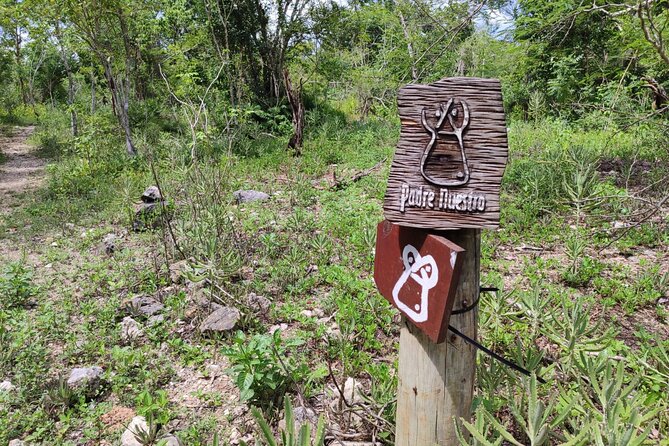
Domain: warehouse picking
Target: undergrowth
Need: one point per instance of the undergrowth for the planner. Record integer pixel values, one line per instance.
(571, 205)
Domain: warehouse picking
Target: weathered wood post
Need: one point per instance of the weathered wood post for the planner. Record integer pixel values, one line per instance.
(443, 188)
(436, 381)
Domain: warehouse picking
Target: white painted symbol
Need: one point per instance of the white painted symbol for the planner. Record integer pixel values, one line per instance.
(422, 269)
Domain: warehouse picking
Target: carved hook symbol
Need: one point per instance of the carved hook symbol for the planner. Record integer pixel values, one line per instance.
(446, 111)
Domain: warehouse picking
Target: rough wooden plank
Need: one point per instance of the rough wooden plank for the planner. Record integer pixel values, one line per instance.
(453, 138)
(436, 381)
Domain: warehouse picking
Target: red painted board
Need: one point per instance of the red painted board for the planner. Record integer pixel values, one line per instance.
(417, 272)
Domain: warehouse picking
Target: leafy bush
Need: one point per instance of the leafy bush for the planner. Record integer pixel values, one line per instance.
(154, 406)
(16, 285)
(262, 367)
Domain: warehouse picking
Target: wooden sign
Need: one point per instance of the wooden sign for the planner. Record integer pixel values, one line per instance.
(417, 273)
(451, 155)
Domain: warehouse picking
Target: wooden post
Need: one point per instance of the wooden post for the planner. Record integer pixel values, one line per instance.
(436, 381)
(446, 176)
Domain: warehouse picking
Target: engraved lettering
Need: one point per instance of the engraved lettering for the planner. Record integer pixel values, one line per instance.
(430, 199)
(425, 197)
(481, 204)
(404, 195)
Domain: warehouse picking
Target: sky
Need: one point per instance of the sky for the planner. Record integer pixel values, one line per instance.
(498, 22)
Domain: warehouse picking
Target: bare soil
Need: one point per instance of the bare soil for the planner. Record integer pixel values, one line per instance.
(22, 170)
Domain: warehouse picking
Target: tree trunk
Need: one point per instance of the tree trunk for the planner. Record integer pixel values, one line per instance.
(70, 83)
(405, 30)
(120, 106)
(93, 102)
(660, 96)
(125, 122)
(297, 107)
(123, 90)
(19, 64)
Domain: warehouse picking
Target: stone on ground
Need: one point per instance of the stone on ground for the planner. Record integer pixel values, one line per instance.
(7, 386)
(139, 424)
(109, 242)
(177, 270)
(247, 196)
(87, 378)
(222, 320)
(151, 195)
(259, 304)
(353, 391)
(130, 330)
(302, 415)
(146, 306)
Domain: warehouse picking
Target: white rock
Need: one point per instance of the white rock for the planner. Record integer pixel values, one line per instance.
(151, 195)
(213, 370)
(16, 442)
(245, 196)
(130, 330)
(7, 386)
(301, 416)
(234, 436)
(139, 424)
(109, 243)
(307, 313)
(353, 391)
(282, 327)
(333, 330)
(155, 319)
(84, 376)
(171, 440)
(147, 306)
(136, 425)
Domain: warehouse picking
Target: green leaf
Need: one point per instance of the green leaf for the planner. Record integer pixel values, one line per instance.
(246, 394)
(264, 427)
(501, 429)
(290, 421)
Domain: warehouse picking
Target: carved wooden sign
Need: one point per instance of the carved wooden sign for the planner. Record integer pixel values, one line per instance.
(417, 273)
(451, 155)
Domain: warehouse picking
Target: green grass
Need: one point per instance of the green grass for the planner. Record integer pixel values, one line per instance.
(564, 311)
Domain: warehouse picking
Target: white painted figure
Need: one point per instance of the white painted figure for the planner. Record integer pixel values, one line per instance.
(422, 269)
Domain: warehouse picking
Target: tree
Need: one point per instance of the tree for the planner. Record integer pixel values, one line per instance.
(577, 52)
(110, 29)
(263, 33)
(65, 57)
(13, 23)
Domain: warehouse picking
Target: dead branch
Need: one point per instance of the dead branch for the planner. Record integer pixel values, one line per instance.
(648, 216)
(297, 108)
(341, 184)
(193, 113)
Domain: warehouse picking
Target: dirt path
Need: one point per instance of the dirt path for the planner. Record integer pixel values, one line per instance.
(22, 170)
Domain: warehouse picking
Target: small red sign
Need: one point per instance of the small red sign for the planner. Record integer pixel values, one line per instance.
(417, 273)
